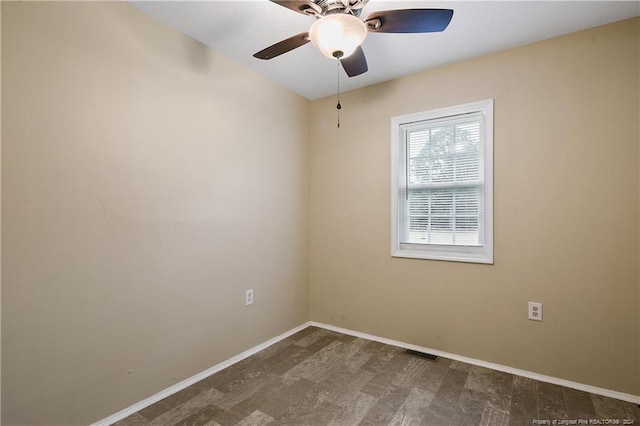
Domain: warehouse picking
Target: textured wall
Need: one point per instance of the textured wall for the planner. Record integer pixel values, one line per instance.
(566, 213)
(147, 181)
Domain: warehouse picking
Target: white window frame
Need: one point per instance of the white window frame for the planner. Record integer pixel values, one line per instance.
(475, 254)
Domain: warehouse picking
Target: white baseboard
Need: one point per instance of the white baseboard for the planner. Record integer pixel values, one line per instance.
(515, 371)
(224, 364)
(195, 378)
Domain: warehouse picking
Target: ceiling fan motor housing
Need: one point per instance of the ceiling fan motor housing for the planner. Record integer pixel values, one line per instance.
(352, 7)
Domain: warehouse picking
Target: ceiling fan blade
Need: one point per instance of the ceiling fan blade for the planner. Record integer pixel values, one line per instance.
(306, 7)
(355, 64)
(283, 46)
(409, 21)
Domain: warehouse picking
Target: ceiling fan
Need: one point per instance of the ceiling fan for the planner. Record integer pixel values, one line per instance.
(338, 30)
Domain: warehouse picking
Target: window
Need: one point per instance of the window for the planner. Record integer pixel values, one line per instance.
(442, 184)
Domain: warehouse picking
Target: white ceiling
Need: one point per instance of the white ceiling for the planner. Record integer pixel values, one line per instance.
(239, 28)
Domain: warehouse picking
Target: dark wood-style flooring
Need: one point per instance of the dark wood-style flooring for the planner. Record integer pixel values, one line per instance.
(320, 377)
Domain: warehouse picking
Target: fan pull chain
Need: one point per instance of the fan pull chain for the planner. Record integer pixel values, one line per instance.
(338, 106)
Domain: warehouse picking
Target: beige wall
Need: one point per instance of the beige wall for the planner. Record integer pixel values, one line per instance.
(566, 213)
(147, 181)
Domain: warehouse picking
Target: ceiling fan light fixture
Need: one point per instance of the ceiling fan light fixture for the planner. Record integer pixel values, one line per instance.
(338, 35)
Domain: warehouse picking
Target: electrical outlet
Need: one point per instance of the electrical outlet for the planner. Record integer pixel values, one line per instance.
(248, 297)
(535, 311)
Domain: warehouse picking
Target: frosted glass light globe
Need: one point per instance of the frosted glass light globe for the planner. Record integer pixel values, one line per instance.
(337, 33)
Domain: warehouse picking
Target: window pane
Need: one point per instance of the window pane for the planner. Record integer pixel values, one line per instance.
(443, 216)
(419, 143)
(444, 153)
(467, 167)
(419, 170)
(441, 140)
(441, 170)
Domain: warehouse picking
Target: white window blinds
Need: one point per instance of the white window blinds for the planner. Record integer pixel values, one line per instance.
(441, 200)
(442, 184)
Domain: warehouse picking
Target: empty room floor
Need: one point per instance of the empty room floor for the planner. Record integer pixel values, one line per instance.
(320, 377)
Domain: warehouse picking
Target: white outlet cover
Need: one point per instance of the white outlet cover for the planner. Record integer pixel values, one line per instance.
(535, 311)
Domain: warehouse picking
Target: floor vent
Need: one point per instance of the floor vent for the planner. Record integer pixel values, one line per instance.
(422, 354)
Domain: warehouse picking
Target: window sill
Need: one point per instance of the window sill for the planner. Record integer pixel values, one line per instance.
(446, 253)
